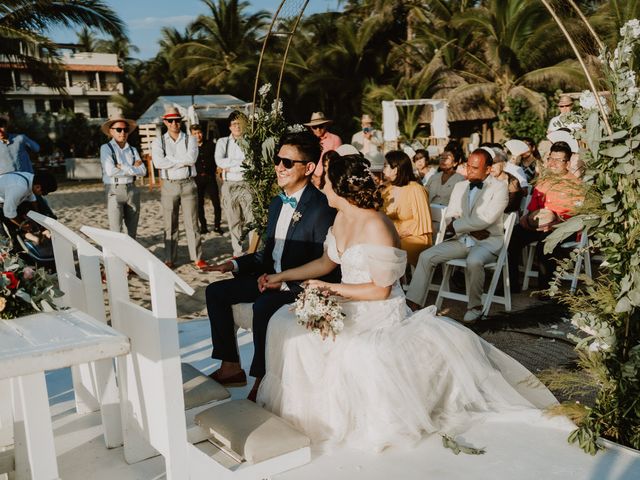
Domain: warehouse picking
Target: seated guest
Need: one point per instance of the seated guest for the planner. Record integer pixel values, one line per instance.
(509, 167)
(406, 203)
(297, 226)
(576, 166)
(530, 161)
(513, 184)
(474, 231)
(424, 166)
(441, 184)
(553, 200)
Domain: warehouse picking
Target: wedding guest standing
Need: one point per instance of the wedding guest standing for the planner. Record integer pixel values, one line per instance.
(441, 184)
(406, 203)
(368, 140)
(175, 154)
(14, 156)
(236, 193)
(121, 164)
(206, 180)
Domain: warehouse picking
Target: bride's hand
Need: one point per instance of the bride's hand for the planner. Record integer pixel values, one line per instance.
(322, 286)
(269, 282)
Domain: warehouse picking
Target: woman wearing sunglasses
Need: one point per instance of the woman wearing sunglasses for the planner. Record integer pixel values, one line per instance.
(121, 163)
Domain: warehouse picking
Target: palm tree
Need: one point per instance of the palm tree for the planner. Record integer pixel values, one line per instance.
(224, 52)
(515, 50)
(87, 40)
(25, 23)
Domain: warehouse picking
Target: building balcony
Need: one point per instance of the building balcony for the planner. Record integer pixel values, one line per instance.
(77, 89)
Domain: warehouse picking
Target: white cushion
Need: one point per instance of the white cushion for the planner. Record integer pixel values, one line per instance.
(251, 431)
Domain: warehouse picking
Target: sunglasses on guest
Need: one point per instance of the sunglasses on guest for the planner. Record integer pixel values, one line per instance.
(120, 129)
(172, 120)
(318, 127)
(286, 162)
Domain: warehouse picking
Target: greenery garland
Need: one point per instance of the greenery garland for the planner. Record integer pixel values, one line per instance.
(266, 127)
(607, 308)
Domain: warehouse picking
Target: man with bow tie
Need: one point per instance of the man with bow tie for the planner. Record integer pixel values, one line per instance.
(297, 226)
(474, 231)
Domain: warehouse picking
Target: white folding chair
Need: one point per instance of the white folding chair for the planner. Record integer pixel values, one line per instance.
(500, 266)
(437, 217)
(582, 261)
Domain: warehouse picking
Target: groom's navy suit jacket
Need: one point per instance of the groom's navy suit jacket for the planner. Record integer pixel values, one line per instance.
(304, 241)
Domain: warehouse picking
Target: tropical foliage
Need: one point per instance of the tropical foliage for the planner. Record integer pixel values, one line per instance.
(608, 309)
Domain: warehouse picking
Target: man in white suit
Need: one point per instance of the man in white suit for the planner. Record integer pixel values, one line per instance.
(474, 232)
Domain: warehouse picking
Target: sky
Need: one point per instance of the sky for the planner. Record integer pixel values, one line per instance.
(145, 18)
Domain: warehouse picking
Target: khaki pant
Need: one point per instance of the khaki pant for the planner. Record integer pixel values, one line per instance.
(236, 201)
(123, 204)
(175, 193)
(477, 257)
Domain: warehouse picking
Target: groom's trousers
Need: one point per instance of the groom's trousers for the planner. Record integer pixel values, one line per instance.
(221, 296)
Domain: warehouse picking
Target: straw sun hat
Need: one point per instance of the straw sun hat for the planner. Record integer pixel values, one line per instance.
(317, 118)
(106, 126)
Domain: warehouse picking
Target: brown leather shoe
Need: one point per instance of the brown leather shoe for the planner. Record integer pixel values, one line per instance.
(170, 264)
(238, 379)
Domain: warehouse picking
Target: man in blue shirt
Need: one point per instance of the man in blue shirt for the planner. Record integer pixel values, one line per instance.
(13, 150)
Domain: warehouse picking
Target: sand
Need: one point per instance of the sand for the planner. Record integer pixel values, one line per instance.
(82, 203)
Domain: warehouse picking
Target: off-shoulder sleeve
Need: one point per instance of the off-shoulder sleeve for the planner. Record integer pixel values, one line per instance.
(386, 264)
(330, 246)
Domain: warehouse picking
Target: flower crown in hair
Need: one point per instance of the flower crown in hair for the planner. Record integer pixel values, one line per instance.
(357, 179)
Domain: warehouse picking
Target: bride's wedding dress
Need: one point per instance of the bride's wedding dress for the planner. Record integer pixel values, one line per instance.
(390, 376)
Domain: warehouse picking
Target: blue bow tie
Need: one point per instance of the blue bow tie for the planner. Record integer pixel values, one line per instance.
(477, 185)
(290, 200)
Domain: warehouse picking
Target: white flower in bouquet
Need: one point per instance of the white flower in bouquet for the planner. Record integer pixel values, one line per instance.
(276, 107)
(320, 312)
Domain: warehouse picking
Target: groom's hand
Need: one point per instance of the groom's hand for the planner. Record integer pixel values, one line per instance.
(268, 282)
(221, 267)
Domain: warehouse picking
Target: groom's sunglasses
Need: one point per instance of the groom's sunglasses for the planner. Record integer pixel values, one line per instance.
(286, 162)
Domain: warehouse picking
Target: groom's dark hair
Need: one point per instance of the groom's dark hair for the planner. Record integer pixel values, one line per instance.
(307, 144)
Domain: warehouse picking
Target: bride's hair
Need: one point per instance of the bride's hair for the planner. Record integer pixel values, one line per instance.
(352, 180)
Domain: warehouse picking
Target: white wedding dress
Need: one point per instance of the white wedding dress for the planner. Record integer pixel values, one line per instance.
(390, 376)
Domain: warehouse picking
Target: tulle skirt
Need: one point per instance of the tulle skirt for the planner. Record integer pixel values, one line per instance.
(388, 378)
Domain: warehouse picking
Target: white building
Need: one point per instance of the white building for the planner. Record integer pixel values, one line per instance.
(90, 79)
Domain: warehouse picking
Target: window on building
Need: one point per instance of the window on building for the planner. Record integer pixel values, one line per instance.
(98, 108)
(16, 106)
(40, 105)
(6, 82)
(68, 104)
(55, 105)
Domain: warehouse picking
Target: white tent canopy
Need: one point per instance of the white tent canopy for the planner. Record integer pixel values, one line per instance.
(390, 118)
(207, 107)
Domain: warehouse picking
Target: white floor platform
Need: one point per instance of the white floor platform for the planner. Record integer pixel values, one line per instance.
(514, 451)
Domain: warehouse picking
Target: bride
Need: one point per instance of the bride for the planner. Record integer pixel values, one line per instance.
(390, 376)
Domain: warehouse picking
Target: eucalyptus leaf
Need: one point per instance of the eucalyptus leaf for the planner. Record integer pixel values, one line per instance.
(634, 297)
(563, 231)
(456, 448)
(623, 305)
(616, 151)
(616, 135)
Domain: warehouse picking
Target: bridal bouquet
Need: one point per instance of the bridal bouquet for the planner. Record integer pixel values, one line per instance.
(320, 312)
(23, 289)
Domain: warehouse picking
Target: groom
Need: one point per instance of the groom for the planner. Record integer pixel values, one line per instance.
(297, 226)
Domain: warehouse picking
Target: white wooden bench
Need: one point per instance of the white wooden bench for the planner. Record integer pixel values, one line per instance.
(30, 345)
(150, 379)
(94, 385)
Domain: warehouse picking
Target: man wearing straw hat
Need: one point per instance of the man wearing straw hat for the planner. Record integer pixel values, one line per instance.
(319, 126)
(565, 104)
(121, 163)
(175, 154)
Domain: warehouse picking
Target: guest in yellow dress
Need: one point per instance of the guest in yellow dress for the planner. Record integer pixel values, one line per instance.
(406, 203)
